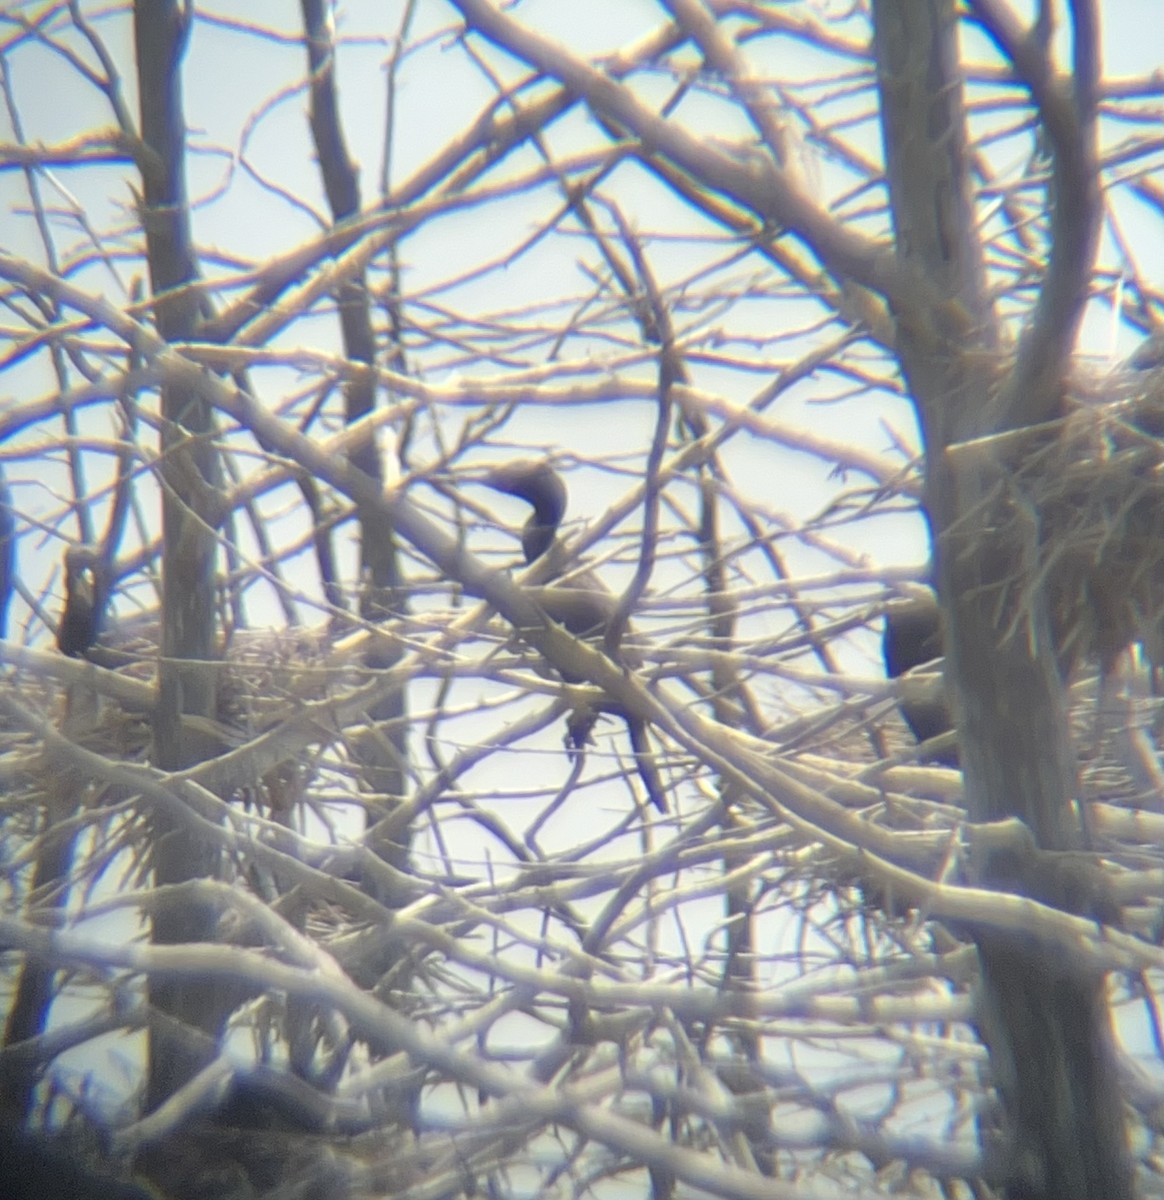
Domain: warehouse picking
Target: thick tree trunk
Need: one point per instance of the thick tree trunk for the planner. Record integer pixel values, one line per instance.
(186, 681)
(1045, 1021)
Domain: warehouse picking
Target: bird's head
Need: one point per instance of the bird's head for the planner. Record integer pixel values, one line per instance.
(81, 565)
(537, 483)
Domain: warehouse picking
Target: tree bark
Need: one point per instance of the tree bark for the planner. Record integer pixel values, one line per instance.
(1045, 1022)
(189, 471)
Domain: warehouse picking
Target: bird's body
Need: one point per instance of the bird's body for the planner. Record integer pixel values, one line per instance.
(81, 618)
(584, 610)
(912, 638)
(580, 603)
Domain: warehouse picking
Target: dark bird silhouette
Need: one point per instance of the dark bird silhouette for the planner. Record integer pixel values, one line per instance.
(42, 1168)
(582, 604)
(82, 616)
(539, 485)
(913, 637)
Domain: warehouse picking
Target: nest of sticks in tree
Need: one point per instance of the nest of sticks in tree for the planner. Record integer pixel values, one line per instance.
(1086, 495)
(264, 678)
(1088, 490)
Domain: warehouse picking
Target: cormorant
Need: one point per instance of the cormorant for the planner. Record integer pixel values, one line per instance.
(583, 605)
(81, 618)
(912, 637)
(539, 485)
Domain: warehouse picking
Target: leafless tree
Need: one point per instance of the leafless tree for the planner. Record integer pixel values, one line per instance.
(354, 845)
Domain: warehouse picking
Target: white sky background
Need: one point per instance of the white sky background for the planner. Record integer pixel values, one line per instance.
(238, 136)
(229, 76)
(230, 79)
(244, 150)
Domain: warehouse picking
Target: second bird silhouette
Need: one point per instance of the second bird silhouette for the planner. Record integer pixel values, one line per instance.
(912, 638)
(583, 605)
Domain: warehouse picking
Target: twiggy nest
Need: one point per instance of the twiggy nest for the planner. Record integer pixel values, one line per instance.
(1090, 489)
(263, 678)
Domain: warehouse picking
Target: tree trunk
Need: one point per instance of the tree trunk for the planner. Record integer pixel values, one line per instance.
(1045, 1021)
(186, 680)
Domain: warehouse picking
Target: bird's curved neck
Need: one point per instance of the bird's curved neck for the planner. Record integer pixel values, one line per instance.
(537, 537)
(545, 491)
